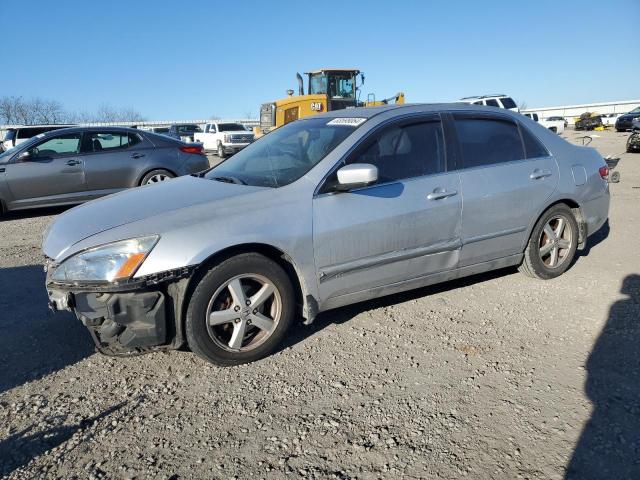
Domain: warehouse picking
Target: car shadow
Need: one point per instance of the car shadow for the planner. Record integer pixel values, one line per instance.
(594, 240)
(344, 314)
(19, 448)
(609, 446)
(34, 212)
(33, 341)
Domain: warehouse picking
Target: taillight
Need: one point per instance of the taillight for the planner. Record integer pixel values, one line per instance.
(191, 149)
(604, 172)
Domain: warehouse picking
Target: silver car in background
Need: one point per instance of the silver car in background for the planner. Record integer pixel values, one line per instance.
(323, 212)
(73, 165)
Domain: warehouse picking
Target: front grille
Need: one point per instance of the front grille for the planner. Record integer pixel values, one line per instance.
(241, 138)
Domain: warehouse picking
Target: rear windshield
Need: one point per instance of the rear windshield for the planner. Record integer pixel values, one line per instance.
(230, 127)
(507, 102)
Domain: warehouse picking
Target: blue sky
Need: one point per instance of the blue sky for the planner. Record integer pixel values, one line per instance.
(195, 59)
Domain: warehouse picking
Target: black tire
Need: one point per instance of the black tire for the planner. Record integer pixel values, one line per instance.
(156, 172)
(196, 326)
(533, 264)
(220, 151)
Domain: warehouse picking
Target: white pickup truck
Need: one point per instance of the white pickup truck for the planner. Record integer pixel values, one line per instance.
(556, 126)
(224, 138)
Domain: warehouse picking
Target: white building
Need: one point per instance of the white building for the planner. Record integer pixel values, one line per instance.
(570, 112)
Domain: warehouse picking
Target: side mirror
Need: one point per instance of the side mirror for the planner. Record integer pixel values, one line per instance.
(356, 175)
(24, 156)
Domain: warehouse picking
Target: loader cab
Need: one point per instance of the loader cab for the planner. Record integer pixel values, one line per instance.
(338, 85)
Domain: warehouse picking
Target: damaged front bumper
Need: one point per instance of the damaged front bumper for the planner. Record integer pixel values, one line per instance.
(127, 319)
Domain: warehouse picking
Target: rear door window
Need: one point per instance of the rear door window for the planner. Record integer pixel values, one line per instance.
(405, 151)
(532, 146)
(487, 141)
(96, 142)
(492, 102)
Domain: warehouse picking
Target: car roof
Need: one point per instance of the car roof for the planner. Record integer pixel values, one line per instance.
(93, 129)
(482, 97)
(369, 112)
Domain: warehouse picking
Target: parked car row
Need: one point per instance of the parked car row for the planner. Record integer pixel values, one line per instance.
(73, 165)
(323, 212)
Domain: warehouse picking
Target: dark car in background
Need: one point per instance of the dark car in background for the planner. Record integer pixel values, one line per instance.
(625, 122)
(74, 165)
(184, 132)
(17, 135)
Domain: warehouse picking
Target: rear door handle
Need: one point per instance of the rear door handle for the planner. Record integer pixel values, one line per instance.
(137, 155)
(71, 163)
(2, 170)
(537, 174)
(440, 193)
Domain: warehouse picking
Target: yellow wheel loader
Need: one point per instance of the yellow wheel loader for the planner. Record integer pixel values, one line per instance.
(328, 89)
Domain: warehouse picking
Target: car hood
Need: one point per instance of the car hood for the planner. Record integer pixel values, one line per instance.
(133, 205)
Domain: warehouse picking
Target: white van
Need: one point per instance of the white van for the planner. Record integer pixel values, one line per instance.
(16, 135)
(496, 100)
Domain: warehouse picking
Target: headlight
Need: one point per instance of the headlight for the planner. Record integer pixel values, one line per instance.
(107, 263)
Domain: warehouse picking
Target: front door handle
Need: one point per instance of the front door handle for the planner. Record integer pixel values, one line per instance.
(137, 155)
(2, 170)
(537, 174)
(71, 163)
(440, 193)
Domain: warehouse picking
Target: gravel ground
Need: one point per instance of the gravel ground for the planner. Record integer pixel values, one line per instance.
(495, 376)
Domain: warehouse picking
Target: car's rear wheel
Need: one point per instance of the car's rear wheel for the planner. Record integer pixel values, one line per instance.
(552, 245)
(156, 176)
(240, 310)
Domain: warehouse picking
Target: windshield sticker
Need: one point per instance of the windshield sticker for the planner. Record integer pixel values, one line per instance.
(348, 121)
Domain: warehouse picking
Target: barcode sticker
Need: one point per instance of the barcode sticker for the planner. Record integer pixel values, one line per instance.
(347, 121)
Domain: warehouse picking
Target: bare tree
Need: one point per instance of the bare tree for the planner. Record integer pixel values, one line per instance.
(107, 113)
(214, 117)
(522, 106)
(16, 110)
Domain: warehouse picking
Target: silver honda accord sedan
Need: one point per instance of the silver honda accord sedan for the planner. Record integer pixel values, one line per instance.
(323, 212)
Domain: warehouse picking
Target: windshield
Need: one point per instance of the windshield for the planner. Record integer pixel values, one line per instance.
(635, 110)
(285, 154)
(507, 102)
(5, 156)
(318, 84)
(230, 127)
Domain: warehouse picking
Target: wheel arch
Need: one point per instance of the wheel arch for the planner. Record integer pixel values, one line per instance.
(577, 213)
(306, 304)
(151, 169)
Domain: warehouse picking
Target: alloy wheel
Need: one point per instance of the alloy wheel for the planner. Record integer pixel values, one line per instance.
(556, 240)
(243, 312)
(158, 177)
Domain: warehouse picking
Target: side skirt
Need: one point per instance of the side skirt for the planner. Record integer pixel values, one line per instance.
(419, 282)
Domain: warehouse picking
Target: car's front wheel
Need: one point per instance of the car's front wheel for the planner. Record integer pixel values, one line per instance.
(220, 151)
(552, 244)
(240, 310)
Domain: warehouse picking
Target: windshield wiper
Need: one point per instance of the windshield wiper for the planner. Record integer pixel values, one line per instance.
(226, 179)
